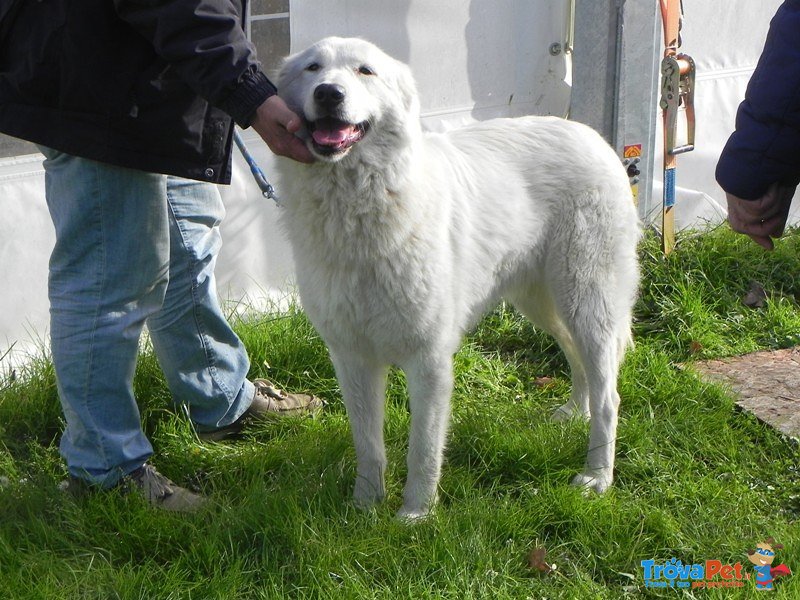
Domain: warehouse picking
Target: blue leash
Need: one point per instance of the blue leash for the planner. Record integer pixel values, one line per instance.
(266, 187)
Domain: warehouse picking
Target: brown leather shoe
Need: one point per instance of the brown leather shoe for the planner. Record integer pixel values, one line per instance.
(159, 491)
(268, 402)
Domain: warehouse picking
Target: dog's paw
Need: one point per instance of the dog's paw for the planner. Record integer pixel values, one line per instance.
(367, 494)
(411, 516)
(593, 481)
(365, 504)
(568, 411)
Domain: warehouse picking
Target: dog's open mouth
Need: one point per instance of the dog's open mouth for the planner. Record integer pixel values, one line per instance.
(332, 136)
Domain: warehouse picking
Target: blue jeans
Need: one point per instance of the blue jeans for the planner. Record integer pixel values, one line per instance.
(134, 248)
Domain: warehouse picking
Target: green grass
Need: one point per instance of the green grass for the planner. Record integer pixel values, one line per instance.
(696, 478)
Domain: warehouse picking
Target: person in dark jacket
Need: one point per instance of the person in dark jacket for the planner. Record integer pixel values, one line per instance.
(759, 168)
(132, 104)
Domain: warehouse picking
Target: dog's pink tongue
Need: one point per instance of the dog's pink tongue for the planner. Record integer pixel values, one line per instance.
(332, 136)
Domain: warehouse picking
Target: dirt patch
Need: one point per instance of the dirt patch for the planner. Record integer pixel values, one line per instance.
(766, 383)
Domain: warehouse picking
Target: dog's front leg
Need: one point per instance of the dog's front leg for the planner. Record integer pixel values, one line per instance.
(363, 386)
(430, 385)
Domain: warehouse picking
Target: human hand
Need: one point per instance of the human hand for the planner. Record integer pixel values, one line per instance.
(276, 123)
(761, 219)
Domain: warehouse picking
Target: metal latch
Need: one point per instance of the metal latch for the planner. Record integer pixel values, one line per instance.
(677, 89)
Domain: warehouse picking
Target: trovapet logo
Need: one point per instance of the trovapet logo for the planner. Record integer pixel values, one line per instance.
(711, 573)
(716, 574)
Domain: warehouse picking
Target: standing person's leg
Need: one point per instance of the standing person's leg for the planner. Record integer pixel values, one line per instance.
(204, 361)
(108, 273)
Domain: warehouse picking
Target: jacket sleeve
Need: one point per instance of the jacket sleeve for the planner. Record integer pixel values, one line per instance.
(765, 147)
(204, 41)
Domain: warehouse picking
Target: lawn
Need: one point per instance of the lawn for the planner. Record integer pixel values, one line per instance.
(697, 480)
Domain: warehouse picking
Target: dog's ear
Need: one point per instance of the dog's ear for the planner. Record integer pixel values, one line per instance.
(291, 67)
(407, 87)
(288, 77)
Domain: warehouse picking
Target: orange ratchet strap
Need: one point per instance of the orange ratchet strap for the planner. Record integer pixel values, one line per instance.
(677, 89)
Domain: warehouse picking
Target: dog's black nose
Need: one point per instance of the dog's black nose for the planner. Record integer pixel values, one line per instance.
(329, 95)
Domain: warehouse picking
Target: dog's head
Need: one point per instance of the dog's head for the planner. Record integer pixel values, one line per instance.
(349, 94)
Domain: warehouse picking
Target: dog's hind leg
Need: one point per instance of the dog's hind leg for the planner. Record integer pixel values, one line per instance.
(578, 403)
(600, 332)
(592, 275)
(604, 401)
(539, 309)
(430, 386)
(363, 386)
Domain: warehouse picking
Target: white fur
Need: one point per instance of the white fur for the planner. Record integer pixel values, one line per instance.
(403, 242)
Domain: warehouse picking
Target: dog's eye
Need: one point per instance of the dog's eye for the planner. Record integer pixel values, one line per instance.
(365, 70)
(313, 67)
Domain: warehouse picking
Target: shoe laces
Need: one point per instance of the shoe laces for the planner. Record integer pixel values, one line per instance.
(154, 485)
(268, 390)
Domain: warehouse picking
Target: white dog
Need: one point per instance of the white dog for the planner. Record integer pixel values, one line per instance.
(404, 239)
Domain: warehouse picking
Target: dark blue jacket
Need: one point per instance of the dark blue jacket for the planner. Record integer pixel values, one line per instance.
(765, 148)
(152, 85)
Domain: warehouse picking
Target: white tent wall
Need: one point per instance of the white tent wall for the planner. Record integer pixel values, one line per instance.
(725, 40)
(26, 237)
(472, 60)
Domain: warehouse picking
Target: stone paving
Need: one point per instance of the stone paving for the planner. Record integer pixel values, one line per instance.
(766, 383)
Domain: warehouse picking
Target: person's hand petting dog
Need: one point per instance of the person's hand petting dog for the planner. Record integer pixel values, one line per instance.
(764, 218)
(277, 124)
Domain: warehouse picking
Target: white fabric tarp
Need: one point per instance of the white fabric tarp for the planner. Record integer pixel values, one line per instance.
(725, 41)
(472, 60)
